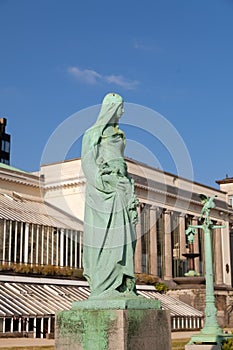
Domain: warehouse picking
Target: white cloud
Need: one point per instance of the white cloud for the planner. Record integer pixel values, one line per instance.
(92, 77)
(140, 45)
(86, 75)
(121, 81)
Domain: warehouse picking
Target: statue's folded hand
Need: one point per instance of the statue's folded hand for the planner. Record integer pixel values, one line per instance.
(123, 184)
(116, 182)
(110, 179)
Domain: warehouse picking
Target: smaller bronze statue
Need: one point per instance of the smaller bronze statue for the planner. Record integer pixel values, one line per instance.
(208, 203)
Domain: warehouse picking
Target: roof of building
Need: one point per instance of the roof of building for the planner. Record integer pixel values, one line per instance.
(18, 176)
(18, 208)
(30, 299)
(12, 168)
(227, 180)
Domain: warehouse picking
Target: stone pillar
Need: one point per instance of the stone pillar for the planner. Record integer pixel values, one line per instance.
(182, 235)
(196, 246)
(138, 250)
(218, 255)
(153, 270)
(167, 246)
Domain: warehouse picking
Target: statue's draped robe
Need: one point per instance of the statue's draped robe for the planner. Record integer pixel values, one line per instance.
(110, 211)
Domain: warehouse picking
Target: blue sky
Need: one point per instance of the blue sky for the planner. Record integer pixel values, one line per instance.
(173, 56)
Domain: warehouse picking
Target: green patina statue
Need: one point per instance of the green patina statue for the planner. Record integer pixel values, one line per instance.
(110, 206)
(211, 332)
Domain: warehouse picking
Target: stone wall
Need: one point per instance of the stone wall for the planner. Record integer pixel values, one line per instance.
(196, 298)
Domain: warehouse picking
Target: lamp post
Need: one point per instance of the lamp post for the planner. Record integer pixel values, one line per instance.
(211, 333)
(190, 232)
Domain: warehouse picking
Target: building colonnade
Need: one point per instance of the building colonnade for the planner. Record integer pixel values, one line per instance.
(161, 243)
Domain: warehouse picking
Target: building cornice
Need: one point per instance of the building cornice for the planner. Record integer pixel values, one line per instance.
(227, 180)
(21, 178)
(179, 194)
(65, 184)
(174, 176)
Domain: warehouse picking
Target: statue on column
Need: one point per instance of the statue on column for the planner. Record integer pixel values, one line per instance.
(208, 203)
(211, 333)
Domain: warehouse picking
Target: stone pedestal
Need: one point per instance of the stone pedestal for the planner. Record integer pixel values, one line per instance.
(203, 347)
(205, 341)
(130, 324)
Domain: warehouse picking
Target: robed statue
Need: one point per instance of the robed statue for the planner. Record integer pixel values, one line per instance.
(110, 206)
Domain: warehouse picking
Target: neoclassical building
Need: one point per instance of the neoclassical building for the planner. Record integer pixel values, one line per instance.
(168, 204)
(41, 227)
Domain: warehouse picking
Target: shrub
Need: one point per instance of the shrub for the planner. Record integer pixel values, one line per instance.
(161, 287)
(44, 270)
(228, 344)
(143, 278)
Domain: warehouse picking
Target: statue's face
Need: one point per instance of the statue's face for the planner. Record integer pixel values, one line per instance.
(129, 283)
(120, 111)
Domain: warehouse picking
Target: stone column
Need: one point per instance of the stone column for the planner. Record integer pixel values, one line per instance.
(167, 246)
(218, 254)
(138, 250)
(153, 270)
(182, 235)
(196, 246)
